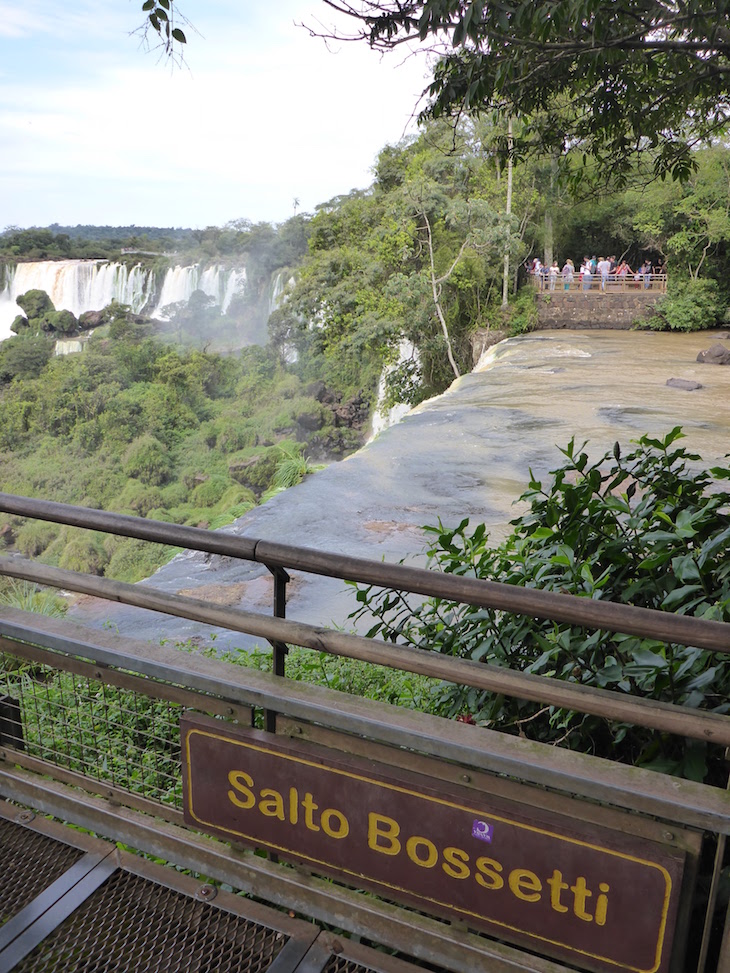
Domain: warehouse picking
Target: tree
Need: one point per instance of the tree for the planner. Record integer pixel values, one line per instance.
(643, 75)
(650, 528)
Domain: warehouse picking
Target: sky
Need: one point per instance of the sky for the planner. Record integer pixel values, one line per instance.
(95, 129)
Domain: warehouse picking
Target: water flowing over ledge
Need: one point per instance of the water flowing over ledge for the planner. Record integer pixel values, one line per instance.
(466, 453)
(90, 285)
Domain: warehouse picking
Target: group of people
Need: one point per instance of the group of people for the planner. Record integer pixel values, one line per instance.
(604, 269)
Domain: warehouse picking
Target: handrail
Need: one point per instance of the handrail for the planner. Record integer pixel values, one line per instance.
(483, 749)
(664, 717)
(614, 283)
(587, 612)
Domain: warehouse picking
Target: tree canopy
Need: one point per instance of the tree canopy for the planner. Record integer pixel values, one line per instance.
(608, 79)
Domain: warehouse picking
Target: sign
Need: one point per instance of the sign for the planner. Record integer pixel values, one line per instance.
(599, 898)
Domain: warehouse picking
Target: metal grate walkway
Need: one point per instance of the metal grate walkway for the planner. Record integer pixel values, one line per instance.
(73, 903)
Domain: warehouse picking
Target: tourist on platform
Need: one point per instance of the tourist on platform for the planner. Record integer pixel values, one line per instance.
(586, 276)
(622, 272)
(553, 273)
(568, 273)
(646, 273)
(603, 268)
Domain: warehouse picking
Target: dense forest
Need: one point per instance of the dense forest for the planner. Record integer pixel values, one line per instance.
(391, 281)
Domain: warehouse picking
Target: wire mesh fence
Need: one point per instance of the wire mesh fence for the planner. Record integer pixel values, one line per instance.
(103, 725)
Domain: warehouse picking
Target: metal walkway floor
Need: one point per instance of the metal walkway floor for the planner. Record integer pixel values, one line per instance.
(73, 903)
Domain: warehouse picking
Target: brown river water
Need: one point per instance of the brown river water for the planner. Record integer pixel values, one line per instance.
(466, 453)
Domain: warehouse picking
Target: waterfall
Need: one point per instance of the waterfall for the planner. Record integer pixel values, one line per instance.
(281, 279)
(89, 285)
(384, 418)
(76, 286)
(217, 282)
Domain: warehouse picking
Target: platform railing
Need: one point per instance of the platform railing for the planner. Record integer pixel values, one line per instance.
(97, 712)
(633, 283)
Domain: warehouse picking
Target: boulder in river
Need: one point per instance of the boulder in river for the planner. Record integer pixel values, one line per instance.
(687, 384)
(716, 354)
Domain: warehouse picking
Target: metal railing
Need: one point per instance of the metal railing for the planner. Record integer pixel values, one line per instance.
(595, 283)
(93, 711)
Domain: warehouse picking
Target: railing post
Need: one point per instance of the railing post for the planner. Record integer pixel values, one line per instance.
(712, 897)
(11, 723)
(279, 648)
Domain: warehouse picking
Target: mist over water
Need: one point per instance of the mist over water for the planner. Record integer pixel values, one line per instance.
(466, 453)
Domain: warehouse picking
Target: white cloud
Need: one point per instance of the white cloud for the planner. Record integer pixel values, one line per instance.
(263, 113)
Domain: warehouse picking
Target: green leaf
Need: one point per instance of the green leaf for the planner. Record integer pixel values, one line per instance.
(179, 36)
(685, 569)
(649, 660)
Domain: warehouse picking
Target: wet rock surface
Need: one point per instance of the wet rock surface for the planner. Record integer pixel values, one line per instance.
(466, 453)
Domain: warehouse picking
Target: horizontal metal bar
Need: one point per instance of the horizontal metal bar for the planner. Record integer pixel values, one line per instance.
(428, 939)
(156, 531)
(93, 785)
(147, 687)
(665, 717)
(588, 612)
(591, 613)
(682, 801)
(56, 904)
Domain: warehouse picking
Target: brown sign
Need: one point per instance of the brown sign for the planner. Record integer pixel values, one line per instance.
(600, 898)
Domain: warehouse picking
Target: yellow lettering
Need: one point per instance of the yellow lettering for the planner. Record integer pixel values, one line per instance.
(580, 894)
(343, 828)
(274, 807)
(238, 781)
(455, 863)
(432, 855)
(602, 905)
(385, 828)
(490, 868)
(557, 885)
(309, 808)
(293, 805)
(525, 885)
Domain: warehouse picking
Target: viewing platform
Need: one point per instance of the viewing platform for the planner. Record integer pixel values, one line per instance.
(624, 303)
(614, 284)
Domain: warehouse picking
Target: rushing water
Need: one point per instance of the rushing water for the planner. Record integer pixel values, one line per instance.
(466, 453)
(90, 285)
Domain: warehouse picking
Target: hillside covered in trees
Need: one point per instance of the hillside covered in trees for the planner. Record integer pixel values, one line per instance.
(392, 282)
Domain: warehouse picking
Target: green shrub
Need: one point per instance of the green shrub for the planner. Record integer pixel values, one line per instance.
(136, 498)
(85, 553)
(650, 529)
(30, 598)
(688, 305)
(522, 313)
(291, 467)
(173, 494)
(34, 537)
(133, 560)
(147, 459)
(208, 493)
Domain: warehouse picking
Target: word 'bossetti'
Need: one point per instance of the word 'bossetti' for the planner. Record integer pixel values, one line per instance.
(384, 836)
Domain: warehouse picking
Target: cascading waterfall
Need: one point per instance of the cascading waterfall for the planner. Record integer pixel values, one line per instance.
(90, 285)
(217, 282)
(384, 418)
(75, 285)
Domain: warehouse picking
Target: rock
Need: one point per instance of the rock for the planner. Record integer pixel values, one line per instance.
(716, 354)
(91, 319)
(7, 536)
(319, 391)
(684, 383)
(353, 413)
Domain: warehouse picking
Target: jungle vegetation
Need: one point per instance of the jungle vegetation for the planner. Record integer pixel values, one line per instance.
(402, 274)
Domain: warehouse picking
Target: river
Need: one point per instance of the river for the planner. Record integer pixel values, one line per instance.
(466, 453)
